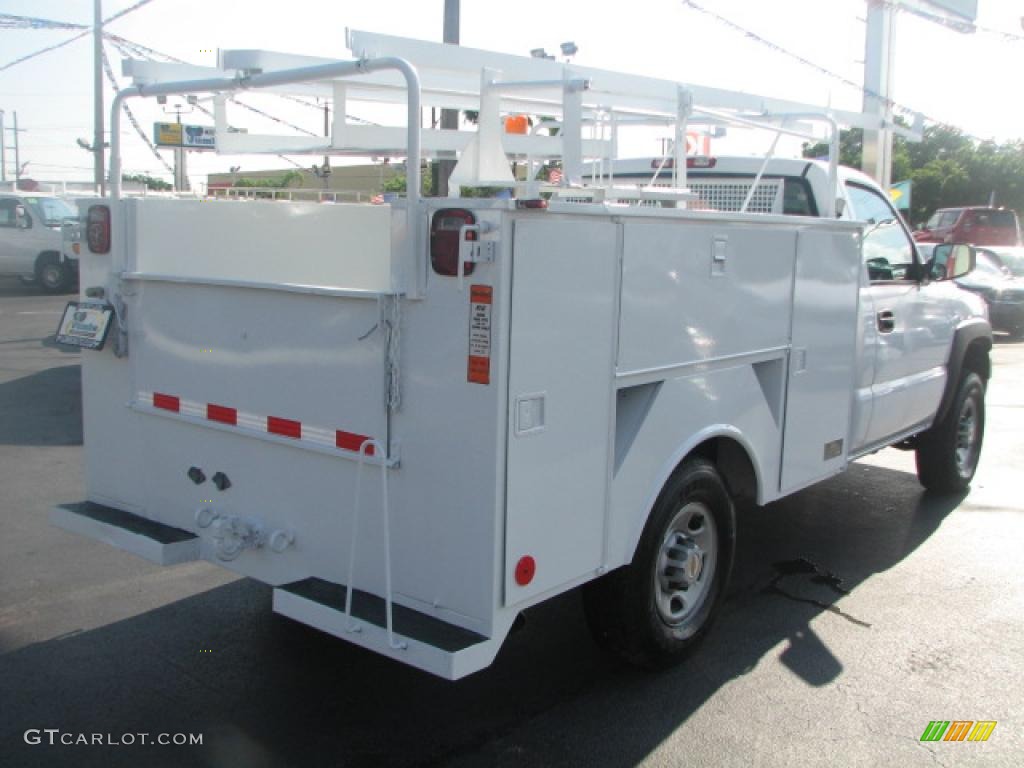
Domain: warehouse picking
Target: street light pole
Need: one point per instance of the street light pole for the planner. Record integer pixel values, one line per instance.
(17, 157)
(449, 117)
(879, 48)
(97, 85)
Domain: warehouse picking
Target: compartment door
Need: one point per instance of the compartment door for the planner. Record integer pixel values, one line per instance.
(822, 359)
(561, 382)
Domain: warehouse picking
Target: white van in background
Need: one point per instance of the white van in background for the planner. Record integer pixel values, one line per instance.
(32, 240)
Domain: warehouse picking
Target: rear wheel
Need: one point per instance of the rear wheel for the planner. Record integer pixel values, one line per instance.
(948, 453)
(53, 274)
(654, 610)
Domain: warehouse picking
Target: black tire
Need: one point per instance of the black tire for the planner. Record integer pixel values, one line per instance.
(52, 274)
(631, 611)
(948, 453)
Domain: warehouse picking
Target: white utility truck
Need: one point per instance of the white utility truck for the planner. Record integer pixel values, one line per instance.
(416, 420)
(38, 239)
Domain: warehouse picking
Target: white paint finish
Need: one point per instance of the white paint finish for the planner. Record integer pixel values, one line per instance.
(561, 344)
(344, 246)
(277, 354)
(686, 411)
(822, 362)
(448, 495)
(674, 310)
(903, 393)
(20, 246)
(142, 546)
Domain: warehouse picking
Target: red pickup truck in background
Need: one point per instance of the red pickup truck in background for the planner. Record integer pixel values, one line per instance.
(978, 225)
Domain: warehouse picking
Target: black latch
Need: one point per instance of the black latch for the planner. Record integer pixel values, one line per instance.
(195, 474)
(221, 481)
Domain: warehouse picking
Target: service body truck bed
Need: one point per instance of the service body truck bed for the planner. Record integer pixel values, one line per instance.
(415, 420)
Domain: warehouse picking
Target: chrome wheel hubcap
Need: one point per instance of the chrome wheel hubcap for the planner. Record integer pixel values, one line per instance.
(51, 275)
(686, 563)
(966, 437)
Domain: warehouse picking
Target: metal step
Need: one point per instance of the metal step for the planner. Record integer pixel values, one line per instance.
(153, 541)
(430, 644)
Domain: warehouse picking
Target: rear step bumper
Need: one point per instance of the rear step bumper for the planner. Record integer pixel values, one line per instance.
(153, 541)
(430, 644)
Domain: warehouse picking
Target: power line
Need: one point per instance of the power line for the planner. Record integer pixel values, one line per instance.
(11, 21)
(47, 49)
(126, 46)
(131, 117)
(895, 106)
(959, 26)
(126, 11)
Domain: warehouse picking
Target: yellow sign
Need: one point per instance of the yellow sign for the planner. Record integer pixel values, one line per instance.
(168, 134)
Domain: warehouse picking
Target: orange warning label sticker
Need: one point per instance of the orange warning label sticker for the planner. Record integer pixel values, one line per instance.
(479, 368)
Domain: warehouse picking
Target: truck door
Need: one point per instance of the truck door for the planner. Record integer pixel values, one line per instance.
(561, 375)
(907, 335)
(18, 240)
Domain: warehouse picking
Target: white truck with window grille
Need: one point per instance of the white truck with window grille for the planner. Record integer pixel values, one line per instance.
(416, 420)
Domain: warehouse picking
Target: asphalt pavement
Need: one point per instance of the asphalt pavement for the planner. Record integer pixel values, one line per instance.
(861, 609)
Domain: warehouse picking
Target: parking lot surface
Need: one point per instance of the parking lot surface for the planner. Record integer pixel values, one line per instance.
(860, 610)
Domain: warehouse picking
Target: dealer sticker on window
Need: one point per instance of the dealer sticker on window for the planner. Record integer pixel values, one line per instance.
(85, 325)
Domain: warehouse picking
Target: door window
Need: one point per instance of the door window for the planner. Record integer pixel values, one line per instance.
(8, 212)
(888, 249)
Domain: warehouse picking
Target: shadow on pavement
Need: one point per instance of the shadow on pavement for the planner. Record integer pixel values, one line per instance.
(12, 286)
(43, 408)
(265, 691)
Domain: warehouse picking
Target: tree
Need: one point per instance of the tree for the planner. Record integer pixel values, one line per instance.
(946, 167)
(150, 182)
(271, 182)
(396, 183)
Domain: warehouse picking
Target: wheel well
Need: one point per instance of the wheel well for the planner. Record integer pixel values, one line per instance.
(733, 462)
(976, 358)
(43, 254)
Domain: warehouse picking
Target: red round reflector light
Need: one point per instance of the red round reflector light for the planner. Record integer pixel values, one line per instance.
(525, 570)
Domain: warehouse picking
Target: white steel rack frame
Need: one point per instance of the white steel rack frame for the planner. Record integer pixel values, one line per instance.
(395, 70)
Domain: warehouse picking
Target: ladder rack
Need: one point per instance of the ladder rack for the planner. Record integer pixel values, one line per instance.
(588, 106)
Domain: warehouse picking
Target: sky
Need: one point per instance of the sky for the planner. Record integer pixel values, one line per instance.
(971, 81)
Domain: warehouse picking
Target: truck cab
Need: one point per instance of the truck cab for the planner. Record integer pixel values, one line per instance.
(37, 241)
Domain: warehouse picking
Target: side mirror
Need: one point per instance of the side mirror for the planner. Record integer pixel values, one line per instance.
(21, 217)
(959, 259)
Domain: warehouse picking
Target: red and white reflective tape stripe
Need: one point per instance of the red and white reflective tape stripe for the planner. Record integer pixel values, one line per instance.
(273, 425)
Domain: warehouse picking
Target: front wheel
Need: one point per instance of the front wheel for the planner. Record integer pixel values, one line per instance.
(948, 453)
(53, 274)
(654, 610)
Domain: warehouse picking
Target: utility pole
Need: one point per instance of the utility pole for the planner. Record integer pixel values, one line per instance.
(180, 172)
(449, 117)
(17, 157)
(879, 47)
(97, 85)
(323, 172)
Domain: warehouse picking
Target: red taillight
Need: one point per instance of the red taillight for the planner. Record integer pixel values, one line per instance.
(532, 204)
(445, 231)
(97, 229)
